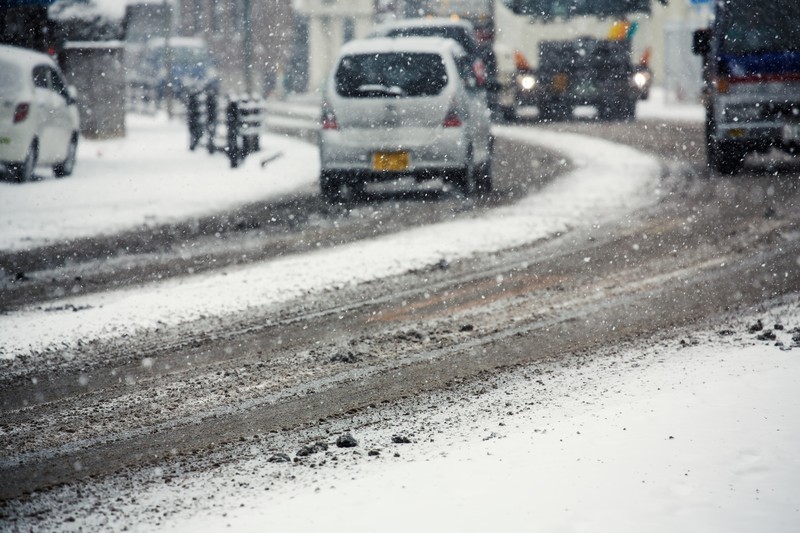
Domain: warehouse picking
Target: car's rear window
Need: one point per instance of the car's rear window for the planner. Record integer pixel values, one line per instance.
(10, 83)
(390, 74)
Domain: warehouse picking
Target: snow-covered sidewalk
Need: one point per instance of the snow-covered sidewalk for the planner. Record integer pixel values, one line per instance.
(694, 433)
(693, 436)
(147, 178)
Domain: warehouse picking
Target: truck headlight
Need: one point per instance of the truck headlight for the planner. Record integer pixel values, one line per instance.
(527, 82)
(641, 79)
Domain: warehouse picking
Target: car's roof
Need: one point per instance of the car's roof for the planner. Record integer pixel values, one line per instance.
(23, 57)
(438, 45)
(426, 22)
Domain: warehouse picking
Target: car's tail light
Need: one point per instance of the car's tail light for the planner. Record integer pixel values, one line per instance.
(452, 119)
(329, 121)
(21, 112)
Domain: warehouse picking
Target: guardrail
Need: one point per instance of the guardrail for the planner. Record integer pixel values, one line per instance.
(234, 128)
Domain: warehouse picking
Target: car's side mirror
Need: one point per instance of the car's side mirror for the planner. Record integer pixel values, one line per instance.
(72, 95)
(701, 42)
(479, 72)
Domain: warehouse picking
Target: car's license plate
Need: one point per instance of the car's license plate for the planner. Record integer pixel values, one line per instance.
(390, 161)
(791, 132)
(560, 83)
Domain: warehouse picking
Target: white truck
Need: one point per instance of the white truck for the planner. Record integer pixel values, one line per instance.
(751, 57)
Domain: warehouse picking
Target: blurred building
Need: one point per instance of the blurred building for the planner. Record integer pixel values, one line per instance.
(331, 23)
(296, 41)
(221, 23)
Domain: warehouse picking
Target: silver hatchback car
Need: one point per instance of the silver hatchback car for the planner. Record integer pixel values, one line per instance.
(410, 106)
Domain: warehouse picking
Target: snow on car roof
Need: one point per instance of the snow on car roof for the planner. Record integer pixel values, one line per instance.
(407, 44)
(423, 22)
(23, 57)
(182, 42)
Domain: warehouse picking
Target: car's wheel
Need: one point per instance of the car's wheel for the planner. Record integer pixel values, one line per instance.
(465, 179)
(483, 172)
(337, 189)
(24, 171)
(329, 185)
(66, 167)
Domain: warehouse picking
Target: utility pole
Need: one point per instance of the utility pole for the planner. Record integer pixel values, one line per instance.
(247, 56)
(168, 58)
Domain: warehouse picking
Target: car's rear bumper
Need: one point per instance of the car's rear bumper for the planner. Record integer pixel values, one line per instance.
(759, 136)
(13, 146)
(429, 151)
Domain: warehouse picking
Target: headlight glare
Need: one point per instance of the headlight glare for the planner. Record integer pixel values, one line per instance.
(640, 79)
(527, 82)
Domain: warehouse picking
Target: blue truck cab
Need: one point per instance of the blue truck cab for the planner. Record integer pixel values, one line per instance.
(751, 64)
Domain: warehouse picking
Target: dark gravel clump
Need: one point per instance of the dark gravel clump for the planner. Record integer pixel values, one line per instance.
(346, 441)
(768, 335)
(311, 449)
(348, 358)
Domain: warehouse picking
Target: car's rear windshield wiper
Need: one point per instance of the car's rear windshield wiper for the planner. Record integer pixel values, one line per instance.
(378, 89)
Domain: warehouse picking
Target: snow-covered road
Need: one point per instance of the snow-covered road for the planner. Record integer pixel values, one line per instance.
(694, 431)
(610, 181)
(690, 436)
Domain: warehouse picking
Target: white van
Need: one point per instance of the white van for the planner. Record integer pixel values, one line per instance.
(409, 106)
(39, 121)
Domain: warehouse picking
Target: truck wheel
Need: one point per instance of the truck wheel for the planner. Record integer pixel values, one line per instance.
(510, 114)
(628, 110)
(554, 112)
(616, 111)
(725, 158)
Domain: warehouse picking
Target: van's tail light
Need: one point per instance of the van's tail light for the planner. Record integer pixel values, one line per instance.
(329, 121)
(21, 112)
(452, 119)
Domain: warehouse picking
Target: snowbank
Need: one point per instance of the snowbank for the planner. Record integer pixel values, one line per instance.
(148, 178)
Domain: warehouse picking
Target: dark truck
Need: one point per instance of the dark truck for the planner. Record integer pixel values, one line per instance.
(751, 64)
(585, 71)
